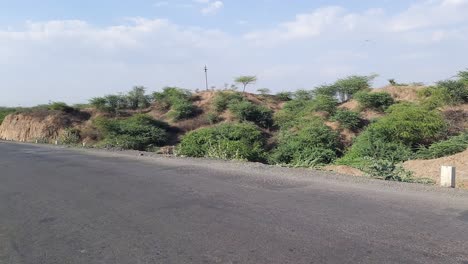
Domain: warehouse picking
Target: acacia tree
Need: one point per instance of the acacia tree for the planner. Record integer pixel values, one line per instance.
(245, 80)
(137, 98)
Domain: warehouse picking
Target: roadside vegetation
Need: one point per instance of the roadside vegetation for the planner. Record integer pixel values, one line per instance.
(344, 123)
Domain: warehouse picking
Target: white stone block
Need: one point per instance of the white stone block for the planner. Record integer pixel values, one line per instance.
(447, 176)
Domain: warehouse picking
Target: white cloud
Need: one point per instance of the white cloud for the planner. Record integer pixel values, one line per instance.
(430, 13)
(212, 8)
(72, 60)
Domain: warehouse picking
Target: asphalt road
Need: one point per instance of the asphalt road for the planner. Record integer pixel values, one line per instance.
(68, 206)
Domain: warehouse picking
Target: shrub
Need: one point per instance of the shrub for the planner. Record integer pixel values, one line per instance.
(284, 96)
(109, 103)
(378, 101)
(137, 99)
(138, 132)
(370, 145)
(411, 125)
(348, 119)
(182, 110)
(4, 111)
(264, 91)
(434, 97)
(394, 136)
(226, 141)
(457, 90)
(323, 103)
(213, 118)
(309, 144)
(223, 99)
(303, 95)
(388, 170)
(297, 111)
(177, 100)
(70, 136)
(61, 106)
(444, 148)
(247, 111)
(345, 88)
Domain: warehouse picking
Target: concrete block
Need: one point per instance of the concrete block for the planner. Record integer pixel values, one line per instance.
(447, 176)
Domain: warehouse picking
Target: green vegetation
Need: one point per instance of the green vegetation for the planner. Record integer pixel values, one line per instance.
(133, 100)
(241, 126)
(178, 101)
(264, 91)
(70, 136)
(226, 141)
(223, 99)
(344, 89)
(444, 148)
(247, 111)
(309, 144)
(61, 106)
(245, 80)
(284, 96)
(348, 119)
(392, 139)
(139, 132)
(377, 101)
(4, 111)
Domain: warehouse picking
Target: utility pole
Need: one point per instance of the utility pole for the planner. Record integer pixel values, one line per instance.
(206, 77)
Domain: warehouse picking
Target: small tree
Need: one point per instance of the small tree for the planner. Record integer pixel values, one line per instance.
(245, 80)
(137, 98)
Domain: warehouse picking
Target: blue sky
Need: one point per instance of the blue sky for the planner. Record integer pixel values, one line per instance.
(73, 50)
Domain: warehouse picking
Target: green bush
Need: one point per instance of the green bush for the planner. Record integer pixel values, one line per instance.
(182, 110)
(138, 132)
(371, 145)
(434, 97)
(247, 111)
(348, 119)
(284, 96)
(457, 90)
(4, 111)
(213, 118)
(303, 95)
(411, 125)
(444, 148)
(388, 170)
(378, 101)
(223, 99)
(61, 106)
(177, 100)
(323, 103)
(394, 136)
(70, 136)
(307, 145)
(226, 141)
(345, 88)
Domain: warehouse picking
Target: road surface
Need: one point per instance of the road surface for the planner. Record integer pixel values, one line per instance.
(68, 206)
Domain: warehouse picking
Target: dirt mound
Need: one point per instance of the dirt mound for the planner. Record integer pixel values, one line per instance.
(352, 105)
(45, 126)
(431, 168)
(402, 93)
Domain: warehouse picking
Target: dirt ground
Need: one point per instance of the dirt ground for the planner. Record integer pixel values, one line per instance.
(431, 168)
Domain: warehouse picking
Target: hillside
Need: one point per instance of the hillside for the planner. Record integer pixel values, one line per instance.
(346, 126)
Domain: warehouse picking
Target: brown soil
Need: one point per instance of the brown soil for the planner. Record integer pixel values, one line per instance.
(431, 168)
(352, 105)
(402, 93)
(44, 125)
